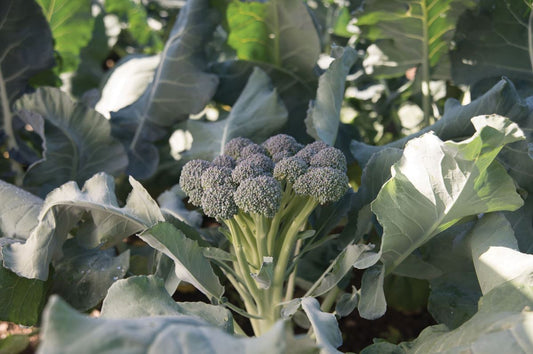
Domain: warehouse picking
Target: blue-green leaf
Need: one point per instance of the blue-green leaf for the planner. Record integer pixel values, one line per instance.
(323, 116)
(143, 296)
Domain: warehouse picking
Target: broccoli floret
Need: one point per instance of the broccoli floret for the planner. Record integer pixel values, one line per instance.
(252, 149)
(190, 179)
(282, 142)
(234, 147)
(329, 157)
(289, 169)
(253, 166)
(278, 156)
(218, 202)
(325, 184)
(224, 161)
(216, 176)
(310, 150)
(259, 195)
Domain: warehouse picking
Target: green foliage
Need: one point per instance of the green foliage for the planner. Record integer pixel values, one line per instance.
(71, 23)
(268, 233)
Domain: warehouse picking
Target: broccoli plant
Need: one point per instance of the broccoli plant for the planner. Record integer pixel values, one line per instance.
(263, 196)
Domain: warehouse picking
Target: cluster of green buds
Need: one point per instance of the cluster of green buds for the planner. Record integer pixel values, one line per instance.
(264, 195)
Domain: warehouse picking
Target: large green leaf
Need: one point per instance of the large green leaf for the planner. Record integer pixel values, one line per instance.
(144, 296)
(21, 300)
(71, 22)
(492, 42)
(257, 114)
(126, 82)
(190, 264)
(90, 70)
(455, 294)
(279, 32)
(411, 33)
(65, 330)
(77, 141)
(293, 90)
(455, 124)
(323, 116)
(436, 184)
(180, 86)
(19, 211)
(82, 277)
(325, 326)
(105, 223)
(495, 253)
(22, 53)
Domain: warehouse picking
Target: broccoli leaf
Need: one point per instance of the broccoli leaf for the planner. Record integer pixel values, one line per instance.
(436, 184)
(325, 326)
(412, 33)
(19, 211)
(495, 253)
(189, 262)
(25, 54)
(65, 328)
(71, 22)
(257, 114)
(501, 99)
(180, 87)
(105, 223)
(22, 299)
(502, 325)
(82, 277)
(279, 32)
(501, 24)
(455, 294)
(372, 303)
(323, 116)
(143, 296)
(77, 141)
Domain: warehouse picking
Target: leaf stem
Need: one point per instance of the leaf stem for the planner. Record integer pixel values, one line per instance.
(425, 67)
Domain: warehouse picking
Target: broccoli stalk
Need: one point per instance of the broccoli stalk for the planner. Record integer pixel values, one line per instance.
(263, 195)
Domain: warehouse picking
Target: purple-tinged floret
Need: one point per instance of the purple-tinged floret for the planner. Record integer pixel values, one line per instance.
(282, 142)
(325, 184)
(289, 169)
(253, 166)
(329, 157)
(216, 176)
(234, 147)
(224, 161)
(260, 195)
(190, 179)
(252, 149)
(218, 202)
(310, 150)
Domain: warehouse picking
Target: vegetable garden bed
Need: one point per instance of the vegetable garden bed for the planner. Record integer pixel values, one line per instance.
(280, 176)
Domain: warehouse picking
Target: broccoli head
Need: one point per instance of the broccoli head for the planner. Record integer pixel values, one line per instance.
(234, 147)
(282, 142)
(259, 195)
(216, 176)
(252, 149)
(253, 166)
(190, 179)
(325, 184)
(224, 161)
(289, 169)
(329, 157)
(308, 151)
(218, 202)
